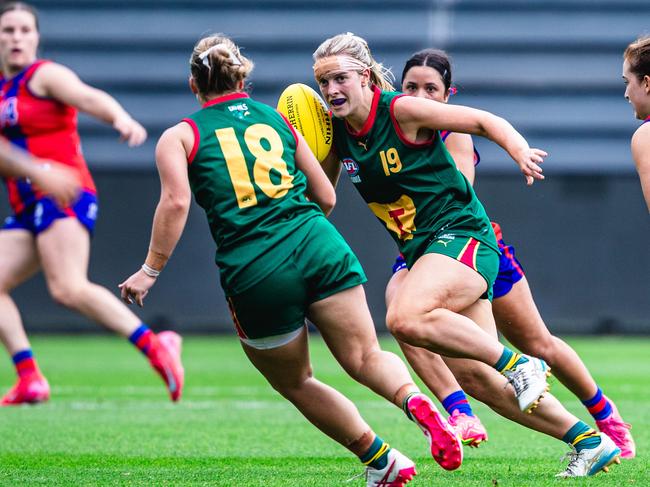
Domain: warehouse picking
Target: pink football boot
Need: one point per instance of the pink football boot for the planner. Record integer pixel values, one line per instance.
(619, 431)
(446, 447)
(469, 428)
(29, 389)
(165, 357)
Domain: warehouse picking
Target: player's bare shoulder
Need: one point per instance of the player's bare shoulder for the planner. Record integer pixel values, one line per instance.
(641, 143)
(176, 139)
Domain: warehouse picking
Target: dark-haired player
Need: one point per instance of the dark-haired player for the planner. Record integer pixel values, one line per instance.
(428, 74)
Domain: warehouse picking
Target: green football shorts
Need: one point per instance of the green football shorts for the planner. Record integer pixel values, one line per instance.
(321, 265)
(471, 252)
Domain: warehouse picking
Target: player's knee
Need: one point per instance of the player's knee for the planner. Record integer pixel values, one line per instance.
(66, 294)
(359, 365)
(405, 325)
(399, 324)
(542, 347)
(292, 387)
(552, 351)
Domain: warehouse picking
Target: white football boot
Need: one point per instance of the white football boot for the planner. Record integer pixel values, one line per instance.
(398, 471)
(529, 381)
(590, 461)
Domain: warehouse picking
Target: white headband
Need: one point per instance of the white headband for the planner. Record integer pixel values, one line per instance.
(206, 60)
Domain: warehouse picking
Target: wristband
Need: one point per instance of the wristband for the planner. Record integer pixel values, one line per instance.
(150, 271)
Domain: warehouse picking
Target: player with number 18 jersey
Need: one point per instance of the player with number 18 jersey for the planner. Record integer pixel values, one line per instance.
(242, 172)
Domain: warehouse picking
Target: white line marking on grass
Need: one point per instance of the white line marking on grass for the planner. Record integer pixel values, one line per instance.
(154, 390)
(159, 405)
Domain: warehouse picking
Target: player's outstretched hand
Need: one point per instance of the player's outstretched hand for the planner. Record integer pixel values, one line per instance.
(130, 131)
(529, 162)
(136, 288)
(57, 181)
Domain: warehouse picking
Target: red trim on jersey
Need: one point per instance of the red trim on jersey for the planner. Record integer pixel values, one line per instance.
(197, 139)
(291, 127)
(401, 135)
(225, 98)
(367, 125)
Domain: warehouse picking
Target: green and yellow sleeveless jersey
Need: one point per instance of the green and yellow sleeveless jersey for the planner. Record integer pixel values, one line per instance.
(243, 174)
(414, 189)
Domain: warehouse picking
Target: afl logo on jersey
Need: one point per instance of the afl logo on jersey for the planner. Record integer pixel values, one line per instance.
(352, 169)
(9, 112)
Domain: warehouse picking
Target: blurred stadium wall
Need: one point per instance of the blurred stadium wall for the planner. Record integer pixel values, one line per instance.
(551, 67)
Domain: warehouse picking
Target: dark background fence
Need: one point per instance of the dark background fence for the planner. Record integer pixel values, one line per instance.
(552, 68)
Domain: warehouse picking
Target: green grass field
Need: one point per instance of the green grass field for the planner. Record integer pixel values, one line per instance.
(109, 422)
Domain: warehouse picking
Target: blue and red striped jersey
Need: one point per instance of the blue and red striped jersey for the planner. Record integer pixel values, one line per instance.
(44, 127)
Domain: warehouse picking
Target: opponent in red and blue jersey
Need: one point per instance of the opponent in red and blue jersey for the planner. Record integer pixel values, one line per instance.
(44, 127)
(38, 112)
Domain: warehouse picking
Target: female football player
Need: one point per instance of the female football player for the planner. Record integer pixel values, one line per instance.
(636, 75)
(428, 74)
(279, 259)
(392, 149)
(39, 100)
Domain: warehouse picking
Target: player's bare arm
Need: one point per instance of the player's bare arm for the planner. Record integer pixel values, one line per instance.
(461, 149)
(59, 82)
(641, 156)
(171, 213)
(414, 114)
(319, 187)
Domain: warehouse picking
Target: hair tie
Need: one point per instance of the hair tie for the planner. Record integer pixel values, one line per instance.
(204, 56)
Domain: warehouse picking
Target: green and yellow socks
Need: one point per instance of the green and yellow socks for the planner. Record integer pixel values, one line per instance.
(581, 436)
(377, 455)
(509, 360)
